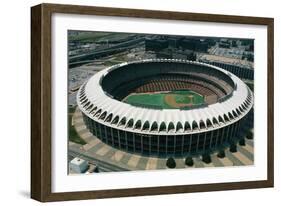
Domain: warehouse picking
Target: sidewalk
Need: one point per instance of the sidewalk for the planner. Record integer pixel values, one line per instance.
(103, 152)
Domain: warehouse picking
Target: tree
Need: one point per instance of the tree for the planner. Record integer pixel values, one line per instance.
(97, 170)
(233, 148)
(206, 158)
(221, 154)
(242, 142)
(189, 161)
(249, 135)
(171, 163)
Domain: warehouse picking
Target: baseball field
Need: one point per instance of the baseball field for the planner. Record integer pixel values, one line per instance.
(165, 100)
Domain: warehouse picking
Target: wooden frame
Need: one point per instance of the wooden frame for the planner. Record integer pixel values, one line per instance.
(41, 101)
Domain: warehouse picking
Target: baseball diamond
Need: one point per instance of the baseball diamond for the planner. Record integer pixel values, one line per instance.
(166, 107)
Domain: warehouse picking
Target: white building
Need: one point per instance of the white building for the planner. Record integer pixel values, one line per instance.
(78, 165)
(150, 130)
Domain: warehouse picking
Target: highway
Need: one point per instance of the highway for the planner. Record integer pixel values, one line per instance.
(79, 59)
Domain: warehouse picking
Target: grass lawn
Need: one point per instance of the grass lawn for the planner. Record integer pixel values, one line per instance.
(157, 100)
(72, 134)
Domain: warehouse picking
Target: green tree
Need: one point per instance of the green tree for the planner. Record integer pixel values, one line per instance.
(233, 148)
(206, 158)
(97, 170)
(221, 154)
(242, 142)
(189, 161)
(171, 163)
(249, 135)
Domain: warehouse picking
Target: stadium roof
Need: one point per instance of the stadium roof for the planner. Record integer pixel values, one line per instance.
(116, 114)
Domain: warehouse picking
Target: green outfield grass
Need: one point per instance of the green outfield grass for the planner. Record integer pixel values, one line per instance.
(169, 100)
(146, 99)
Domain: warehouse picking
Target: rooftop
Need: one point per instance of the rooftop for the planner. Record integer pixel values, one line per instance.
(77, 161)
(227, 60)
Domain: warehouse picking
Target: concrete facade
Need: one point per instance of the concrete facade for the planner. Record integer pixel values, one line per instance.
(165, 132)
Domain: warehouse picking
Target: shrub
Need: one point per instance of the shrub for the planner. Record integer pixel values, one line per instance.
(221, 154)
(189, 161)
(96, 170)
(233, 148)
(171, 163)
(242, 142)
(206, 158)
(249, 135)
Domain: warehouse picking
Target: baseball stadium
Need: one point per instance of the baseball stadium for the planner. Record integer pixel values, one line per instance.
(166, 107)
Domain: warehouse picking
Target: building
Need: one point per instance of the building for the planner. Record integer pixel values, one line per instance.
(194, 44)
(176, 54)
(156, 44)
(241, 68)
(219, 122)
(78, 165)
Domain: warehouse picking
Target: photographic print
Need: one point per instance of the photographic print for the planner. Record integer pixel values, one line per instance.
(124, 98)
(157, 102)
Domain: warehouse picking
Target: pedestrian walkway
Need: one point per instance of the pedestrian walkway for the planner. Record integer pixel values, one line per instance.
(98, 150)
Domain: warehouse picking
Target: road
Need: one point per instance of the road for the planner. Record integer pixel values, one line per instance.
(103, 166)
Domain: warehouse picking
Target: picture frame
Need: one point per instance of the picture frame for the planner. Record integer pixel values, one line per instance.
(41, 101)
